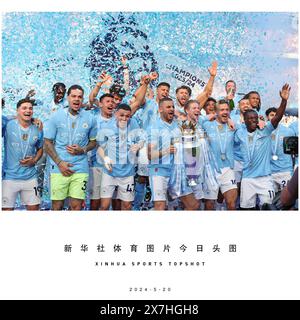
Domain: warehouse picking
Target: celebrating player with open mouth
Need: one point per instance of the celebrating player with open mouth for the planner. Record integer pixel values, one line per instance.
(23, 143)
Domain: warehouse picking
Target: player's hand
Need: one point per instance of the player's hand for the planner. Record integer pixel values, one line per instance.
(64, 168)
(28, 162)
(38, 123)
(213, 69)
(145, 79)
(135, 148)
(172, 149)
(285, 92)
(153, 76)
(230, 94)
(104, 78)
(108, 163)
(75, 150)
(231, 124)
(211, 116)
(261, 124)
(30, 93)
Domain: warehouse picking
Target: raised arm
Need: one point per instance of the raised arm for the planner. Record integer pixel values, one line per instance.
(284, 94)
(140, 94)
(104, 78)
(31, 93)
(207, 91)
(125, 74)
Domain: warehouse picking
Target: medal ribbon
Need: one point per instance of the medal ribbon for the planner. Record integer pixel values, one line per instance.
(70, 135)
(274, 149)
(251, 152)
(24, 150)
(225, 143)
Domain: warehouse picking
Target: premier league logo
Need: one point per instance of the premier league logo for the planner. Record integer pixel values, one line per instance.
(123, 39)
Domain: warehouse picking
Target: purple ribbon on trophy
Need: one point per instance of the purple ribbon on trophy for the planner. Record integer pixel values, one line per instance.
(193, 162)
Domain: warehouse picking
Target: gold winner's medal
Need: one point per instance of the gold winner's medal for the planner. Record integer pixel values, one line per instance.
(273, 136)
(220, 127)
(25, 136)
(73, 125)
(223, 156)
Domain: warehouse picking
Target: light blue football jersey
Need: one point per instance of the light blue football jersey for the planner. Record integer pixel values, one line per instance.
(162, 134)
(294, 126)
(65, 129)
(116, 143)
(237, 153)
(18, 144)
(256, 150)
(221, 139)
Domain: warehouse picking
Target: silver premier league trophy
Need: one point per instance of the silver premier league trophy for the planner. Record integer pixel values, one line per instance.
(191, 153)
(194, 164)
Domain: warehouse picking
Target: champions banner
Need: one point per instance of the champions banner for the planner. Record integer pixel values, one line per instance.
(178, 72)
